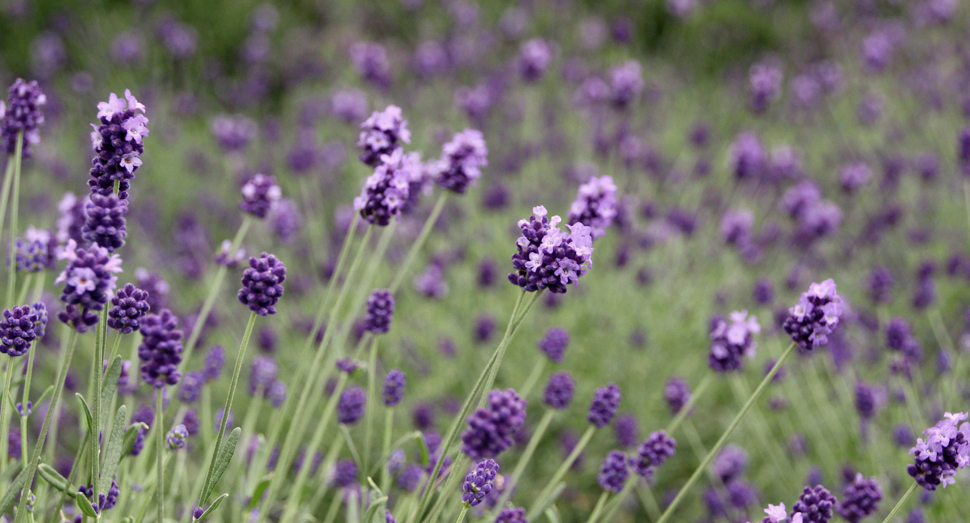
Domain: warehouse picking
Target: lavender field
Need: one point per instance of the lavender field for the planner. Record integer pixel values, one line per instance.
(427, 261)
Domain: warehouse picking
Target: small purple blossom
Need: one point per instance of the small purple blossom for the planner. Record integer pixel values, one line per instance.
(549, 258)
(262, 284)
(161, 349)
(595, 205)
(815, 315)
(603, 407)
(381, 134)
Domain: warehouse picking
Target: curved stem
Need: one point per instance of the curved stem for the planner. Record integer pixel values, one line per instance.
(533, 378)
(371, 403)
(544, 498)
(160, 445)
(901, 502)
(724, 437)
(524, 461)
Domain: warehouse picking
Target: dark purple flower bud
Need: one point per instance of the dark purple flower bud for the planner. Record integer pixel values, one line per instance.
(176, 437)
(161, 349)
(603, 407)
(595, 205)
(394, 383)
(732, 342)
(677, 393)
(491, 430)
(35, 251)
(627, 430)
(554, 344)
(191, 387)
(129, 305)
(259, 195)
(382, 134)
(262, 375)
(559, 391)
(262, 284)
(903, 435)
(880, 284)
(731, 462)
(534, 58)
(380, 311)
(653, 452)
(117, 144)
(479, 482)
(88, 279)
(18, 330)
(215, 359)
(345, 473)
(815, 315)
(763, 292)
(386, 192)
(865, 400)
(860, 498)
(815, 505)
(461, 161)
(484, 328)
(613, 472)
(105, 223)
(423, 416)
(548, 258)
(22, 115)
(511, 515)
(350, 406)
(370, 60)
(747, 156)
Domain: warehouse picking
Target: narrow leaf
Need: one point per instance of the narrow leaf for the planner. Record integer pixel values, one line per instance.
(40, 400)
(212, 508)
(55, 479)
(112, 452)
(374, 509)
(552, 515)
(222, 463)
(10, 496)
(258, 492)
(87, 415)
(84, 504)
(423, 447)
(109, 387)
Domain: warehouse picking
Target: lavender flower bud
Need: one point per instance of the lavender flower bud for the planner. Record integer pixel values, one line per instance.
(613, 472)
(386, 192)
(491, 430)
(350, 406)
(559, 391)
(731, 343)
(604, 405)
(18, 330)
(595, 205)
(161, 349)
(259, 195)
(859, 499)
(548, 258)
(814, 505)
(815, 315)
(461, 161)
(394, 383)
(479, 482)
(23, 115)
(105, 223)
(117, 144)
(554, 344)
(262, 284)
(130, 304)
(945, 450)
(176, 438)
(382, 134)
(677, 393)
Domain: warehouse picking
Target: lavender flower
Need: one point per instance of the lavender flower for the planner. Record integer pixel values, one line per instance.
(627, 430)
(534, 58)
(117, 143)
(385, 192)
(595, 205)
(191, 387)
(765, 85)
(603, 407)
(879, 283)
(491, 430)
(262, 374)
(815, 315)
(548, 258)
(554, 344)
(653, 452)
(461, 161)
(35, 251)
(345, 473)
(215, 359)
(259, 195)
(88, 280)
(350, 406)
(233, 133)
(854, 176)
(23, 115)
(511, 515)
(736, 226)
(945, 450)
(814, 505)
(130, 304)
(479, 482)
(394, 383)
(161, 349)
(176, 437)
(859, 499)
(613, 472)
(747, 156)
(18, 330)
(677, 393)
(380, 312)
(626, 82)
(349, 105)
(229, 259)
(262, 284)
(731, 343)
(731, 462)
(370, 60)
(382, 134)
(559, 391)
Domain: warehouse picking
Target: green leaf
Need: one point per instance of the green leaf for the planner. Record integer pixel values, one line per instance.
(258, 492)
(55, 479)
(87, 415)
(423, 447)
(50, 389)
(109, 387)
(375, 509)
(131, 435)
(84, 504)
(222, 463)
(212, 508)
(552, 514)
(370, 481)
(112, 452)
(10, 496)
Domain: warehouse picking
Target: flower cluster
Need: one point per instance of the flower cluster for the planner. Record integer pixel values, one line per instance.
(945, 450)
(20, 327)
(233, 133)
(559, 391)
(394, 383)
(765, 81)
(23, 115)
(815, 315)
(88, 280)
(380, 312)
(732, 342)
(491, 430)
(815, 505)
(262, 284)
(385, 192)
(350, 406)
(859, 499)
(603, 407)
(677, 393)
(595, 205)
(461, 161)
(554, 344)
(104, 223)
(613, 472)
(129, 305)
(534, 58)
(511, 515)
(479, 482)
(653, 452)
(626, 83)
(161, 349)
(382, 133)
(176, 437)
(259, 195)
(549, 258)
(117, 144)
(35, 251)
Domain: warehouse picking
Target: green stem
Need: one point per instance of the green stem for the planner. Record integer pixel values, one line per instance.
(95, 456)
(524, 461)
(114, 348)
(419, 242)
(533, 378)
(504, 345)
(461, 515)
(240, 356)
(39, 280)
(902, 501)
(159, 427)
(545, 497)
(23, 419)
(22, 295)
(599, 507)
(14, 204)
(55, 398)
(371, 403)
(5, 196)
(386, 448)
(4, 415)
(727, 434)
(210, 299)
(685, 410)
